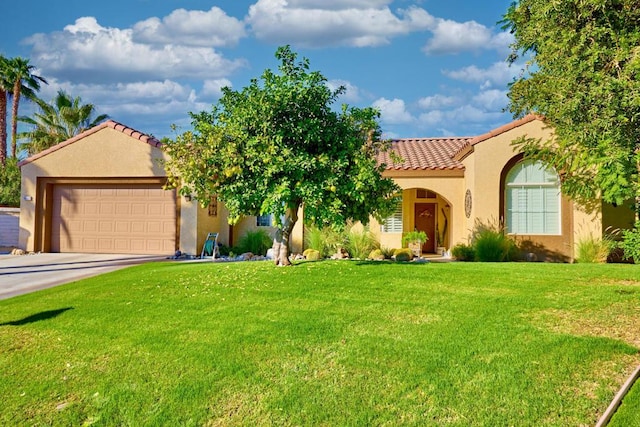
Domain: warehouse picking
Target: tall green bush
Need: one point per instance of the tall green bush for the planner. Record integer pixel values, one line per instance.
(325, 240)
(10, 183)
(630, 243)
(257, 242)
(492, 245)
(591, 249)
(463, 252)
(359, 242)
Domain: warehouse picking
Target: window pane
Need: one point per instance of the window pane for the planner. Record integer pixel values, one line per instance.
(532, 199)
(263, 220)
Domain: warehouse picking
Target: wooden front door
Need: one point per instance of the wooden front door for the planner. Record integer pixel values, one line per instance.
(425, 220)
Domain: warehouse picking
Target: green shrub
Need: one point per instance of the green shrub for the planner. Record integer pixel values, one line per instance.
(403, 255)
(594, 249)
(630, 243)
(492, 245)
(376, 255)
(311, 254)
(257, 242)
(325, 240)
(224, 249)
(360, 242)
(387, 252)
(463, 252)
(10, 183)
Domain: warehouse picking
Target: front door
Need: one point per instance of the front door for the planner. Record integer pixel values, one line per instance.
(425, 220)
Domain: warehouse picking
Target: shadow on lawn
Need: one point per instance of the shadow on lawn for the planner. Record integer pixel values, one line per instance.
(43, 315)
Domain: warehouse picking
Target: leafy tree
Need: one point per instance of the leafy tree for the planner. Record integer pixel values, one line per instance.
(4, 88)
(583, 77)
(63, 118)
(24, 83)
(10, 183)
(277, 145)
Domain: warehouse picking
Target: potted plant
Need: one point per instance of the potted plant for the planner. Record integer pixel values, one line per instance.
(414, 241)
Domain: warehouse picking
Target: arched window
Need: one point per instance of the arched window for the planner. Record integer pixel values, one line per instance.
(532, 199)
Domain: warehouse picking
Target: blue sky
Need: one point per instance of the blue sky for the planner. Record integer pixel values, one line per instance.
(433, 67)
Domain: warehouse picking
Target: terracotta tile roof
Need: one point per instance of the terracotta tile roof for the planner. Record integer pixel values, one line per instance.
(109, 123)
(425, 154)
(133, 133)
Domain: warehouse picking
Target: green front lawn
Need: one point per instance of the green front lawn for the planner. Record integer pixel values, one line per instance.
(326, 343)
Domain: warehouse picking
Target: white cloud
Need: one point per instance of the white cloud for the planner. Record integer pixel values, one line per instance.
(352, 93)
(432, 118)
(192, 28)
(469, 113)
(466, 114)
(338, 4)
(157, 100)
(499, 74)
(393, 111)
(454, 37)
(492, 100)
(89, 52)
(438, 101)
(214, 87)
(317, 23)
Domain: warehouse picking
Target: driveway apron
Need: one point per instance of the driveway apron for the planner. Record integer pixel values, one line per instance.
(29, 273)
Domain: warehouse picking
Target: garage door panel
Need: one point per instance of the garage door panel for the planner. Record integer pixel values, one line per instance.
(91, 245)
(122, 245)
(137, 209)
(138, 245)
(137, 227)
(105, 245)
(126, 218)
(122, 227)
(123, 209)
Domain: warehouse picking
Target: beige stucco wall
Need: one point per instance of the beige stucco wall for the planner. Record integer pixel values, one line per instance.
(188, 240)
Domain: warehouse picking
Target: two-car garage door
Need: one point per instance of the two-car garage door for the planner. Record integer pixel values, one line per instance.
(113, 218)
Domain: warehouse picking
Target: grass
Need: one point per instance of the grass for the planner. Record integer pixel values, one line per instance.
(628, 414)
(326, 343)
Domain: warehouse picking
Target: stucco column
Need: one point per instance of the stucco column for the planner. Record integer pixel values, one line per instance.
(188, 226)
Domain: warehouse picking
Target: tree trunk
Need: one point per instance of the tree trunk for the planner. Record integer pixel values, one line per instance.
(3, 127)
(14, 119)
(283, 236)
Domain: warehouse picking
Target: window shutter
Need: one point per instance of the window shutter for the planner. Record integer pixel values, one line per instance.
(393, 224)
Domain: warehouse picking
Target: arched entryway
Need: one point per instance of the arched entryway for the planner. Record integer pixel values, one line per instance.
(431, 213)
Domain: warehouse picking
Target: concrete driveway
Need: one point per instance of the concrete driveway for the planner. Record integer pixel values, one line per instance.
(29, 273)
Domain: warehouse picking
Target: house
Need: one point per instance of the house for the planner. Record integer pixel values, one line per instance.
(103, 191)
(449, 185)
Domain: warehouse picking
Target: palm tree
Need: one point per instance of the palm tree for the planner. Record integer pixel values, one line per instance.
(4, 88)
(25, 83)
(64, 118)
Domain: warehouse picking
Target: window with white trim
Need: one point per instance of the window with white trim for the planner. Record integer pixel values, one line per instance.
(263, 221)
(393, 224)
(532, 199)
